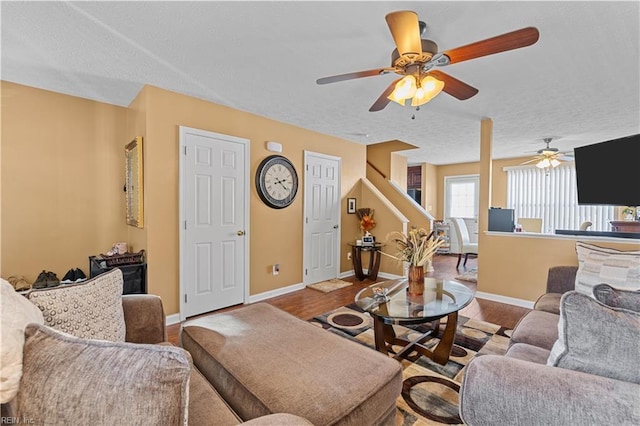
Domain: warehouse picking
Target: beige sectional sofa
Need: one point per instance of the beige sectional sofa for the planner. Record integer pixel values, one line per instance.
(521, 389)
(141, 380)
(101, 358)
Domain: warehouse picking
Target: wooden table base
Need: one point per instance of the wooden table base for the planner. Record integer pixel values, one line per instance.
(384, 333)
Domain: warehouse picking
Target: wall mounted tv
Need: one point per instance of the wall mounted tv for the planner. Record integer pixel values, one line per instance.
(609, 172)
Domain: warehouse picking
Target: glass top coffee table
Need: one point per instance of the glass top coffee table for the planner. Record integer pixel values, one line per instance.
(389, 303)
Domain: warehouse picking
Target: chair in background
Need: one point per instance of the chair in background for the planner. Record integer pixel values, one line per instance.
(585, 225)
(461, 241)
(530, 224)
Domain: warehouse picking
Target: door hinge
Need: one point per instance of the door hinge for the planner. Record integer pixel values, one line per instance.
(185, 224)
(306, 272)
(306, 220)
(185, 298)
(185, 150)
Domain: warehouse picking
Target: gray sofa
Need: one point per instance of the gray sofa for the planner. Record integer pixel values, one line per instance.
(143, 380)
(520, 389)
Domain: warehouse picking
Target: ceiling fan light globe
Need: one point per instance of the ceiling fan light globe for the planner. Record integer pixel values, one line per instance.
(392, 97)
(555, 163)
(543, 164)
(429, 88)
(406, 87)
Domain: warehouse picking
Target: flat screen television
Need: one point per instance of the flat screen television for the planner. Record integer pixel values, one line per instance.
(609, 172)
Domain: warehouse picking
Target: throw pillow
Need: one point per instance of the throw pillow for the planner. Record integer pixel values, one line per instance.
(616, 298)
(596, 265)
(91, 309)
(15, 313)
(68, 380)
(597, 339)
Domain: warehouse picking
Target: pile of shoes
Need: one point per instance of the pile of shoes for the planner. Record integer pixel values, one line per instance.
(46, 279)
(19, 283)
(74, 276)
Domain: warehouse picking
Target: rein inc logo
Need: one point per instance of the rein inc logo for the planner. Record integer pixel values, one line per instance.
(16, 420)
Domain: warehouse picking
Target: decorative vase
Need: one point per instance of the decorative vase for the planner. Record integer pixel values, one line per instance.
(416, 280)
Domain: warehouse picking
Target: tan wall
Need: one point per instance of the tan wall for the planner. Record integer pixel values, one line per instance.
(509, 265)
(62, 178)
(517, 266)
(398, 170)
(379, 155)
(275, 235)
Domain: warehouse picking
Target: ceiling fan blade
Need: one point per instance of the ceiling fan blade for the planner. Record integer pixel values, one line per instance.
(502, 43)
(530, 161)
(405, 30)
(566, 157)
(382, 101)
(352, 75)
(453, 86)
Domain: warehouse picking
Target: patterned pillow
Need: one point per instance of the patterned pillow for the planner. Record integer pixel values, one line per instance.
(90, 310)
(72, 381)
(597, 339)
(596, 265)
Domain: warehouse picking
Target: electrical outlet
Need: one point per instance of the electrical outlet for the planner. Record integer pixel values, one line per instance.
(348, 255)
(275, 269)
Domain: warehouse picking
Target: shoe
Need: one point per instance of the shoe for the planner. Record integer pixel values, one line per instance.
(79, 275)
(22, 284)
(41, 281)
(52, 279)
(69, 277)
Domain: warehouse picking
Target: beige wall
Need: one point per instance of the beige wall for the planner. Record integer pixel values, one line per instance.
(517, 266)
(62, 177)
(63, 171)
(275, 235)
(514, 266)
(379, 155)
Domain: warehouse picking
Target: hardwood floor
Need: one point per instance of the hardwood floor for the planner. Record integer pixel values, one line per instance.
(307, 303)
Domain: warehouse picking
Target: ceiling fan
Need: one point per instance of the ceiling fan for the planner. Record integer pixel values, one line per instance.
(414, 59)
(549, 157)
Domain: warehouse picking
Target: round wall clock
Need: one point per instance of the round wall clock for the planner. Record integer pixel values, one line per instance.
(276, 181)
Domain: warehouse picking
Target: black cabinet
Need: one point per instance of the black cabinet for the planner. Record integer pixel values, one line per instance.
(134, 275)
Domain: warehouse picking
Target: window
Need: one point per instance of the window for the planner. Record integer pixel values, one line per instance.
(461, 196)
(552, 196)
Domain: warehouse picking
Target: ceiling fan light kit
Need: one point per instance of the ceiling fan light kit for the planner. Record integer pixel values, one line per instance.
(414, 59)
(549, 157)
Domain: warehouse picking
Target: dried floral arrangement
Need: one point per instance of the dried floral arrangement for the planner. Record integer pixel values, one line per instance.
(365, 214)
(415, 247)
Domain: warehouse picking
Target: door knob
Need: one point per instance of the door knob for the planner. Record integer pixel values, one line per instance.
(240, 233)
(335, 226)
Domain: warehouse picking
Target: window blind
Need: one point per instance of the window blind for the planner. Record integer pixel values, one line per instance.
(552, 196)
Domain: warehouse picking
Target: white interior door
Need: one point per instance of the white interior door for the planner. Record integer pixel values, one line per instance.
(322, 217)
(214, 207)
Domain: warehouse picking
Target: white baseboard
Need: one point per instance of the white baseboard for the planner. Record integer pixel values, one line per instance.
(346, 274)
(389, 276)
(505, 299)
(172, 319)
(277, 292)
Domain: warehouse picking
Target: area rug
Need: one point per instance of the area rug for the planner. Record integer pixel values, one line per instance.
(429, 390)
(329, 285)
(471, 276)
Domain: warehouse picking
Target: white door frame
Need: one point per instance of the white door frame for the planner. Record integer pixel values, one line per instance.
(181, 216)
(304, 213)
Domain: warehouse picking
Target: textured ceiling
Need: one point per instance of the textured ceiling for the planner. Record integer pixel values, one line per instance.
(580, 82)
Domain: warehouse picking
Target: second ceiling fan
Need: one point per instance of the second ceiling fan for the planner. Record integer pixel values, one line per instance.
(414, 59)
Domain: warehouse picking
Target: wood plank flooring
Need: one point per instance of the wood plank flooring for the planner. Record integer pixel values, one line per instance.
(307, 303)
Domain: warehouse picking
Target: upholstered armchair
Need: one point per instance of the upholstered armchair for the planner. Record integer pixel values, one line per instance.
(461, 240)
